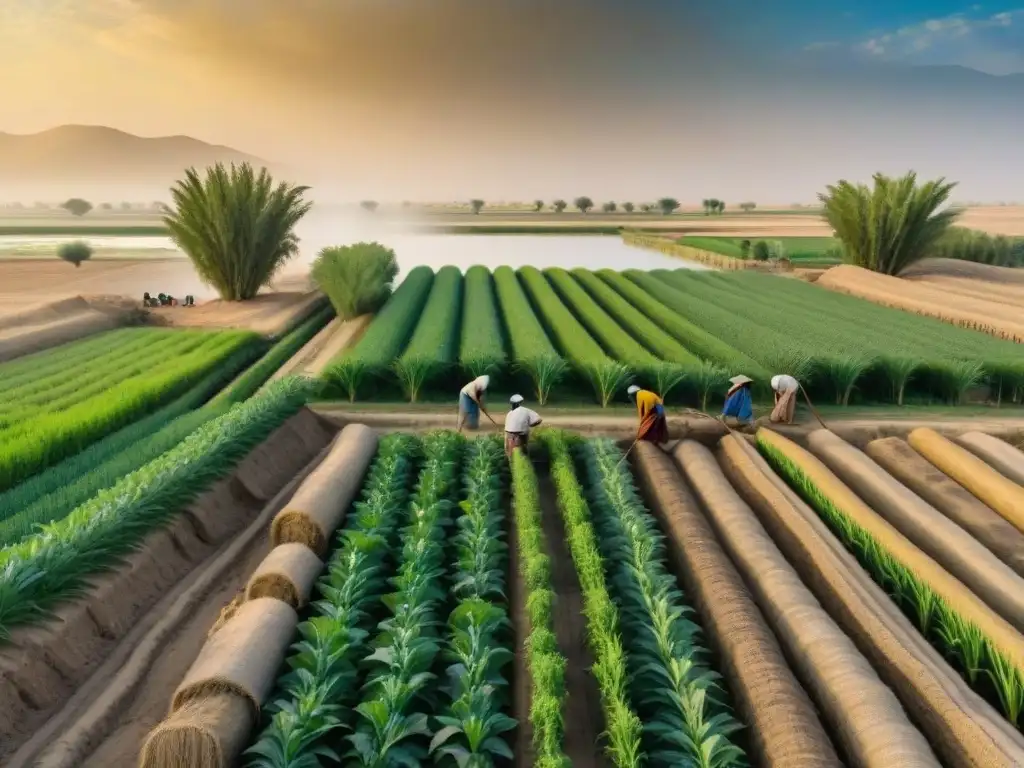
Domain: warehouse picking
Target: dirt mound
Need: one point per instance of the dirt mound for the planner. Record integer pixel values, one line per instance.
(272, 314)
(26, 339)
(968, 269)
(44, 664)
(990, 317)
(342, 336)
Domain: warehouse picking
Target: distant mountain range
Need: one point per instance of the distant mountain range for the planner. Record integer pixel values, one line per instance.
(93, 153)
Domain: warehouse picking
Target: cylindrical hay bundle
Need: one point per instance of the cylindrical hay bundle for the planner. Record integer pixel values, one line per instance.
(962, 727)
(205, 733)
(999, 454)
(922, 477)
(288, 573)
(1003, 636)
(824, 657)
(1001, 494)
(938, 536)
(318, 506)
(243, 657)
(784, 728)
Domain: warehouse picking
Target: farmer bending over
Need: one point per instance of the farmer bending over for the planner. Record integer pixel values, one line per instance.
(518, 422)
(786, 389)
(653, 424)
(471, 402)
(738, 403)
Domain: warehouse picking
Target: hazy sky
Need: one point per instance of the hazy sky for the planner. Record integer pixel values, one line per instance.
(520, 98)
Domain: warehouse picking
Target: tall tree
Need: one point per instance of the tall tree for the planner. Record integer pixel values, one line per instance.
(236, 226)
(369, 205)
(538, 205)
(559, 205)
(890, 225)
(747, 207)
(477, 205)
(583, 203)
(628, 207)
(609, 207)
(668, 205)
(706, 204)
(76, 206)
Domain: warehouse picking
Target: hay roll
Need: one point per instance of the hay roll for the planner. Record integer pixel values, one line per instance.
(1003, 636)
(318, 506)
(204, 733)
(938, 536)
(1001, 494)
(288, 574)
(962, 727)
(868, 725)
(243, 657)
(922, 477)
(999, 454)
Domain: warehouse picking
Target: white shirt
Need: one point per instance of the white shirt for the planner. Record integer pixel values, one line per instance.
(474, 387)
(784, 383)
(520, 420)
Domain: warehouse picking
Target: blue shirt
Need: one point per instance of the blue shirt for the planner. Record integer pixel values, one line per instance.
(739, 405)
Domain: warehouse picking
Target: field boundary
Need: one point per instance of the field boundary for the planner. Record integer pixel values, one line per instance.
(118, 691)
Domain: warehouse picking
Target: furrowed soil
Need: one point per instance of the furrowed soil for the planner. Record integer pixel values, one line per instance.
(584, 721)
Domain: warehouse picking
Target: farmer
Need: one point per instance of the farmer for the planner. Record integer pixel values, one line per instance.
(518, 422)
(653, 424)
(738, 403)
(786, 389)
(471, 402)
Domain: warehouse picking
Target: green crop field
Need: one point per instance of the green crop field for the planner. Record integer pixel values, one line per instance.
(681, 332)
(800, 250)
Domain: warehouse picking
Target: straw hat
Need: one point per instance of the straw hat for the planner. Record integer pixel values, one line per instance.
(740, 380)
(516, 399)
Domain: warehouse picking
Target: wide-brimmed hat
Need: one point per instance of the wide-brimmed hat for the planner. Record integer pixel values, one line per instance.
(740, 380)
(516, 399)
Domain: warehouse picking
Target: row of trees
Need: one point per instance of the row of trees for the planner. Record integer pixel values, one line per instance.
(666, 205)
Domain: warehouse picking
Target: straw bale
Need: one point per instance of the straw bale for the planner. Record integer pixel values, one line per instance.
(288, 573)
(205, 733)
(950, 498)
(998, 492)
(319, 505)
(938, 536)
(244, 656)
(785, 729)
(1000, 455)
(872, 725)
(961, 726)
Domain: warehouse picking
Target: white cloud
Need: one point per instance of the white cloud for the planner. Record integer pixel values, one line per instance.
(991, 43)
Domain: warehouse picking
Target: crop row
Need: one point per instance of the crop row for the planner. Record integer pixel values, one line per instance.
(46, 438)
(53, 564)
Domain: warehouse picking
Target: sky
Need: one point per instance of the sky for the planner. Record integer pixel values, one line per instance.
(515, 99)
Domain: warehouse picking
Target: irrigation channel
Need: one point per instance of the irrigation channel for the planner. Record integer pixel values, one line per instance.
(414, 597)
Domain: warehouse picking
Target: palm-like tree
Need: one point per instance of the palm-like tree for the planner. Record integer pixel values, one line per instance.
(236, 226)
(888, 227)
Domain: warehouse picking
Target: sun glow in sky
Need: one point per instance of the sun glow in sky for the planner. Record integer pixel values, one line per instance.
(463, 88)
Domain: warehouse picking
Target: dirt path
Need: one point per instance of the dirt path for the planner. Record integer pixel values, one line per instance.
(583, 718)
(122, 745)
(521, 684)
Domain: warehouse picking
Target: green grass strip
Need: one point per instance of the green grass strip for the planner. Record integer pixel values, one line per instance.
(54, 564)
(60, 479)
(249, 382)
(623, 728)
(546, 665)
(960, 641)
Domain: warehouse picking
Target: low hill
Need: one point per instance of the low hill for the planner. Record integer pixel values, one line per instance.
(100, 155)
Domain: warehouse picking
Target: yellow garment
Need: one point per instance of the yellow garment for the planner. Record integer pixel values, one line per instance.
(645, 402)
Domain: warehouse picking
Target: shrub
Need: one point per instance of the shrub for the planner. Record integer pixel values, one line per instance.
(236, 226)
(762, 251)
(358, 279)
(559, 205)
(668, 205)
(76, 206)
(583, 203)
(888, 227)
(75, 252)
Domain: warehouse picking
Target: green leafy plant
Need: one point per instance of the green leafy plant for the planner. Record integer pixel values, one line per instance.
(481, 348)
(623, 726)
(357, 278)
(676, 694)
(75, 252)
(236, 226)
(413, 373)
(608, 378)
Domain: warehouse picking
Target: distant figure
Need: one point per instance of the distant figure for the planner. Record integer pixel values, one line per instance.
(651, 409)
(738, 403)
(518, 422)
(471, 402)
(190, 300)
(149, 301)
(786, 389)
